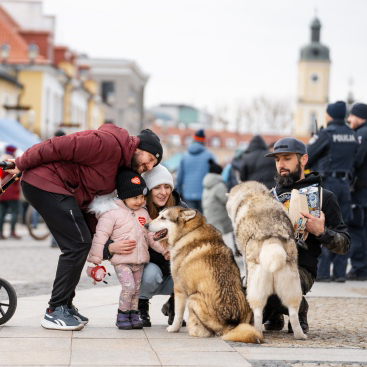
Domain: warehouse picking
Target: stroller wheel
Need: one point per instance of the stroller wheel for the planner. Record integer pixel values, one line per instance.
(8, 301)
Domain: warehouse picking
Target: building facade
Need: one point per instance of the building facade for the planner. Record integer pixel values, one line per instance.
(121, 85)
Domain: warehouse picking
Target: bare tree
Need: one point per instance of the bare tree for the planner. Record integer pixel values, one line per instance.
(264, 115)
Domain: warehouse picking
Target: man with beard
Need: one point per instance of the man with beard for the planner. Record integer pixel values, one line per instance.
(61, 177)
(329, 230)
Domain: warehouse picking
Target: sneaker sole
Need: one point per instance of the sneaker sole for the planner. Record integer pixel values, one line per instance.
(52, 326)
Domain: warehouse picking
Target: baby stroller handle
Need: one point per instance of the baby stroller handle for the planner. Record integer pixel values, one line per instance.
(7, 165)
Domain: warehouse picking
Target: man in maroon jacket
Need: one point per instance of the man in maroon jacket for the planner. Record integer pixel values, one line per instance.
(61, 176)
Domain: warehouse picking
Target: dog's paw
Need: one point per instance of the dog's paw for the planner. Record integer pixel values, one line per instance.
(172, 329)
(301, 336)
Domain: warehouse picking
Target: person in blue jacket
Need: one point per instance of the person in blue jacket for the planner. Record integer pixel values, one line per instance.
(193, 167)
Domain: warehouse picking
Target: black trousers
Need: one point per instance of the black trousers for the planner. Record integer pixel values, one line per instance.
(66, 223)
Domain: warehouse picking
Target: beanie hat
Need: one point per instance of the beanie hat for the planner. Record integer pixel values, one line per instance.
(199, 136)
(150, 142)
(337, 110)
(130, 184)
(10, 149)
(157, 176)
(214, 167)
(359, 110)
(60, 132)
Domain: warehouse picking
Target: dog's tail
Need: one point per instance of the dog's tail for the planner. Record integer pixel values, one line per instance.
(243, 333)
(272, 255)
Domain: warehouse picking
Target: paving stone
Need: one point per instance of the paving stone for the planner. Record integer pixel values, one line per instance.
(160, 332)
(35, 351)
(194, 345)
(121, 352)
(89, 332)
(304, 354)
(33, 332)
(189, 358)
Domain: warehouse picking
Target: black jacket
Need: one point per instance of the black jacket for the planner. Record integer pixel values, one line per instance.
(335, 238)
(360, 164)
(156, 257)
(255, 166)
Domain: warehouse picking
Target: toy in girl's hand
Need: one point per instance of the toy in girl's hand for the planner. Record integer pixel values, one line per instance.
(97, 273)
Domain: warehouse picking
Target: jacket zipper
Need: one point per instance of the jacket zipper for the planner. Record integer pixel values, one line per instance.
(76, 224)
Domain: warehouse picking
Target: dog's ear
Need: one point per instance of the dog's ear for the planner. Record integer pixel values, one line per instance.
(188, 214)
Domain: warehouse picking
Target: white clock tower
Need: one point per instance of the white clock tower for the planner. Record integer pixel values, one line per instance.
(313, 84)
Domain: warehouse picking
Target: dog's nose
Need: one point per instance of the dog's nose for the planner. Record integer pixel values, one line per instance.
(146, 225)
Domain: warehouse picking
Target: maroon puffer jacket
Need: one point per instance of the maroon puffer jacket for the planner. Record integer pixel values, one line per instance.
(83, 164)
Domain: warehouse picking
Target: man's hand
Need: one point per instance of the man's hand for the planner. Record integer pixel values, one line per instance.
(315, 226)
(13, 171)
(124, 247)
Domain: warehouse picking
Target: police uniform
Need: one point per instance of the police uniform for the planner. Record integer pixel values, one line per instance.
(358, 226)
(332, 152)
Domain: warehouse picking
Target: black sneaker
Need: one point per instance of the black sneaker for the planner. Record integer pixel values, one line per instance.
(74, 311)
(143, 307)
(168, 309)
(354, 276)
(275, 323)
(60, 319)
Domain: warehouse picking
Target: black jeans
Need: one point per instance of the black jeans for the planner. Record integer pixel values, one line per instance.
(66, 223)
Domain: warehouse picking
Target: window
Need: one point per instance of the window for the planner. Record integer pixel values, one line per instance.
(215, 141)
(108, 92)
(187, 140)
(231, 143)
(175, 140)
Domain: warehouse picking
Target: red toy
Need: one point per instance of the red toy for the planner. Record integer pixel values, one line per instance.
(97, 273)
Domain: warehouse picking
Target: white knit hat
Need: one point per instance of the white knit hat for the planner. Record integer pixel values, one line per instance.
(157, 176)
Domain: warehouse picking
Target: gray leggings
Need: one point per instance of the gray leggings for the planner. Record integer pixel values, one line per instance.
(154, 283)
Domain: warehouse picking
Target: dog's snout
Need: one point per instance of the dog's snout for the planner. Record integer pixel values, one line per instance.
(146, 225)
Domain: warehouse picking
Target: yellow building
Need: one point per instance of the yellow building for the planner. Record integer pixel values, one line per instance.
(10, 90)
(313, 84)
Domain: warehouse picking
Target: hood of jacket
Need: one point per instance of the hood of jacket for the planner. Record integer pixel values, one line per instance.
(102, 204)
(212, 179)
(257, 143)
(310, 179)
(195, 148)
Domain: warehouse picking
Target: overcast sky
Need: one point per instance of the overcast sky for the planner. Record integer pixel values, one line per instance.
(211, 53)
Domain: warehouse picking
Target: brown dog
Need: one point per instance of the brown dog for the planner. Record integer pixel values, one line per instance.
(205, 276)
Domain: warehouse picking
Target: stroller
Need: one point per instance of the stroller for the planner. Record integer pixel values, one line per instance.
(8, 296)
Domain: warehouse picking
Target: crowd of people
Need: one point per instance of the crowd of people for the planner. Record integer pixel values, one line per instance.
(97, 189)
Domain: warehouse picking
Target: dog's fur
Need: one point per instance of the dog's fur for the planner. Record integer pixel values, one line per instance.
(205, 276)
(266, 237)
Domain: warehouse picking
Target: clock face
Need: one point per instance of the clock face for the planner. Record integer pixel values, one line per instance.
(314, 78)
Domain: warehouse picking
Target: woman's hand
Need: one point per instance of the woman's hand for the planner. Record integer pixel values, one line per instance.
(124, 247)
(13, 171)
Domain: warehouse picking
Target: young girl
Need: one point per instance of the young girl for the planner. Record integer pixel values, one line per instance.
(124, 219)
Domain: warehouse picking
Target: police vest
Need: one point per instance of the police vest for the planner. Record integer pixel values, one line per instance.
(343, 145)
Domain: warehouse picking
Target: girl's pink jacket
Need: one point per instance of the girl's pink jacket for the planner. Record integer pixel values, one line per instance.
(118, 222)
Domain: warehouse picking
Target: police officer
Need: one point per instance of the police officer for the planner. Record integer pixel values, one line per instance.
(332, 152)
(358, 226)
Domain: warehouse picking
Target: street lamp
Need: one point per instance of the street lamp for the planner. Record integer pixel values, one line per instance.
(33, 51)
(4, 52)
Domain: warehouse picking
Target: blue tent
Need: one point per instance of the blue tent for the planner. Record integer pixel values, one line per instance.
(173, 162)
(12, 132)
